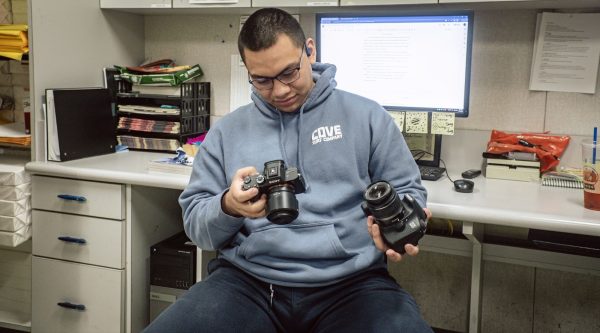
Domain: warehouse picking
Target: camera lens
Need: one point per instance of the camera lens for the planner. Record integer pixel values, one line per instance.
(383, 202)
(378, 193)
(282, 206)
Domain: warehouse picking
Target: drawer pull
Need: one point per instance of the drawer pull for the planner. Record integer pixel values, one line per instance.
(70, 305)
(70, 239)
(72, 197)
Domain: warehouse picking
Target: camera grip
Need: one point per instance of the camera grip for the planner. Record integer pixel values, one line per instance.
(396, 236)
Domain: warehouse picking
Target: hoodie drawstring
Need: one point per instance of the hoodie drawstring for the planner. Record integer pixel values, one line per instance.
(300, 160)
(282, 136)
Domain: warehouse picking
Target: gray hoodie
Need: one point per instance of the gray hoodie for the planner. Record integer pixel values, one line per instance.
(341, 143)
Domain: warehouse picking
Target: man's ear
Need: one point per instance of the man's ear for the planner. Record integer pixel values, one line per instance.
(310, 49)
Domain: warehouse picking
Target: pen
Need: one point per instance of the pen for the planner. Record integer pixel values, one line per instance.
(594, 147)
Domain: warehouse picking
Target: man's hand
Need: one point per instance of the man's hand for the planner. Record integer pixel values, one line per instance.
(380, 244)
(237, 202)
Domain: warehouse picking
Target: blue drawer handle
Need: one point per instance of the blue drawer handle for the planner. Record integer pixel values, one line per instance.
(70, 239)
(70, 305)
(72, 197)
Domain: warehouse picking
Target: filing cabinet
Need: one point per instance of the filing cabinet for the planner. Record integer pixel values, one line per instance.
(78, 265)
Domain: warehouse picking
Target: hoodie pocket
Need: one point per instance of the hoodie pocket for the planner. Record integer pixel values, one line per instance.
(293, 242)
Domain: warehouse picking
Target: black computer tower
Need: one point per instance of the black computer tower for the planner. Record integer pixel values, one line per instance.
(173, 262)
(172, 271)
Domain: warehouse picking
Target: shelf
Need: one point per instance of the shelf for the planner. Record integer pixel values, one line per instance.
(15, 320)
(141, 130)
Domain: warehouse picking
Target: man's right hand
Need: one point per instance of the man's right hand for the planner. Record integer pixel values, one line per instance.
(237, 202)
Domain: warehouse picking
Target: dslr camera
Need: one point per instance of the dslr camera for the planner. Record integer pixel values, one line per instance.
(280, 184)
(400, 221)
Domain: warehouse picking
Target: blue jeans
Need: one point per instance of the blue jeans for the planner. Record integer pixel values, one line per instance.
(229, 300)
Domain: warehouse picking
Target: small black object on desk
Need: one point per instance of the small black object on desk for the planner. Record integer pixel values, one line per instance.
(471, 173)
(463, 185)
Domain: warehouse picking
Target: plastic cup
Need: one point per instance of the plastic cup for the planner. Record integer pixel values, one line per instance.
(591, 174)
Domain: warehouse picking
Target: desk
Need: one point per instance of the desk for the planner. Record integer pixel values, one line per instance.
(151, 214)
(511, 204)
(493, 202)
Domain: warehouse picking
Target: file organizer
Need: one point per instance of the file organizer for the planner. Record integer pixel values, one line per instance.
(194, 116)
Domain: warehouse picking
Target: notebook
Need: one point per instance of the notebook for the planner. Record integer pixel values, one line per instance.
(79, 122)
(561, 179)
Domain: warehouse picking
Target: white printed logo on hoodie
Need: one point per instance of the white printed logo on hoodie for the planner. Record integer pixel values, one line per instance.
(326, 133)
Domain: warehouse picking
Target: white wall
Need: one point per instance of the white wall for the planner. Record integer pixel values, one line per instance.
(71, 42)
(502, 52)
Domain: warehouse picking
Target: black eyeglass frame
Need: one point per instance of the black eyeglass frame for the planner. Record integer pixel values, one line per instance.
(277, 77)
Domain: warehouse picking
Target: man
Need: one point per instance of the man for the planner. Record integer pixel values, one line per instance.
(325, 271)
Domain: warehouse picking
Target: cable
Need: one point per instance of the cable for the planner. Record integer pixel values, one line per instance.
(446, 170)
(418, 155)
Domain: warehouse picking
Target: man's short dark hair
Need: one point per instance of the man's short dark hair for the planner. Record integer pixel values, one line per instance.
(261, 30)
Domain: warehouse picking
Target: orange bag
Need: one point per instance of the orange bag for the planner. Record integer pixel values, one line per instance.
(548, 148)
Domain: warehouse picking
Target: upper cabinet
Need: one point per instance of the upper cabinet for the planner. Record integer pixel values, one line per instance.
(135, 3)
(294, 3)
(210, 3)
(383, 2)
(455, 1)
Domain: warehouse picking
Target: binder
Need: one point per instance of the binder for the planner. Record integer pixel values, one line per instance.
(79, 123)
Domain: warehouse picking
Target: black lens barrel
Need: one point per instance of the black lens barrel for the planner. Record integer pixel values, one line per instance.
(282, 205)
(383, 202)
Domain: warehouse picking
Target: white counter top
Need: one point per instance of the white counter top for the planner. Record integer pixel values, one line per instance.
(498, 202)
(514, 203)
(128, 167)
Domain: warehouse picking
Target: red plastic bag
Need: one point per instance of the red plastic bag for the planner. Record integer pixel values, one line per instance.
(548, 148)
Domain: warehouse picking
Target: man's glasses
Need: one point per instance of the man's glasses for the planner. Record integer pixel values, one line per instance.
(286, 77)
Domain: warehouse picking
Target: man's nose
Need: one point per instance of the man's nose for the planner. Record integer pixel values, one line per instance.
(280, 88)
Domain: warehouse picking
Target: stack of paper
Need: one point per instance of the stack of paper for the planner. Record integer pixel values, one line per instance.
(566, 52)
(145, 109)
(15, 202)
(136, 142)
(148, 125)
(14, 134)
(13, 41)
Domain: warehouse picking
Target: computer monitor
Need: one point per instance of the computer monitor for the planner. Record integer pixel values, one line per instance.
(404, 61)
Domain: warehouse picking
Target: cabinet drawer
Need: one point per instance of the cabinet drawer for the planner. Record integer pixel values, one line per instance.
(135, 3)
(78, 197)
(210, 3)
(83, 239)
(95, 290)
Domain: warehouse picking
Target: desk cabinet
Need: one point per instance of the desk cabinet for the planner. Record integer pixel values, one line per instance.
(74, 297)
(210, 3)
(92, 256)
(78, 266)
(294, 3)
(135, 4)
(384, 2)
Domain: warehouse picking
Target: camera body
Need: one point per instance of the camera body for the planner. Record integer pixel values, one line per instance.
(401, 221)
(280, 184)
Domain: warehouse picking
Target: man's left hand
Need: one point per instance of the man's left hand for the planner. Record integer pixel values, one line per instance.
(392, 255)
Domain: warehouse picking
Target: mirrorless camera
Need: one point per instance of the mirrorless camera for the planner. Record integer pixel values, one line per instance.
(280, 184)
(400, 221)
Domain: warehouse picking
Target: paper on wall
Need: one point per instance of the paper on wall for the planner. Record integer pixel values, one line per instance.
(240, 89)
(566, 52)
(442, 123)
(398, 117)
(416, 122)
